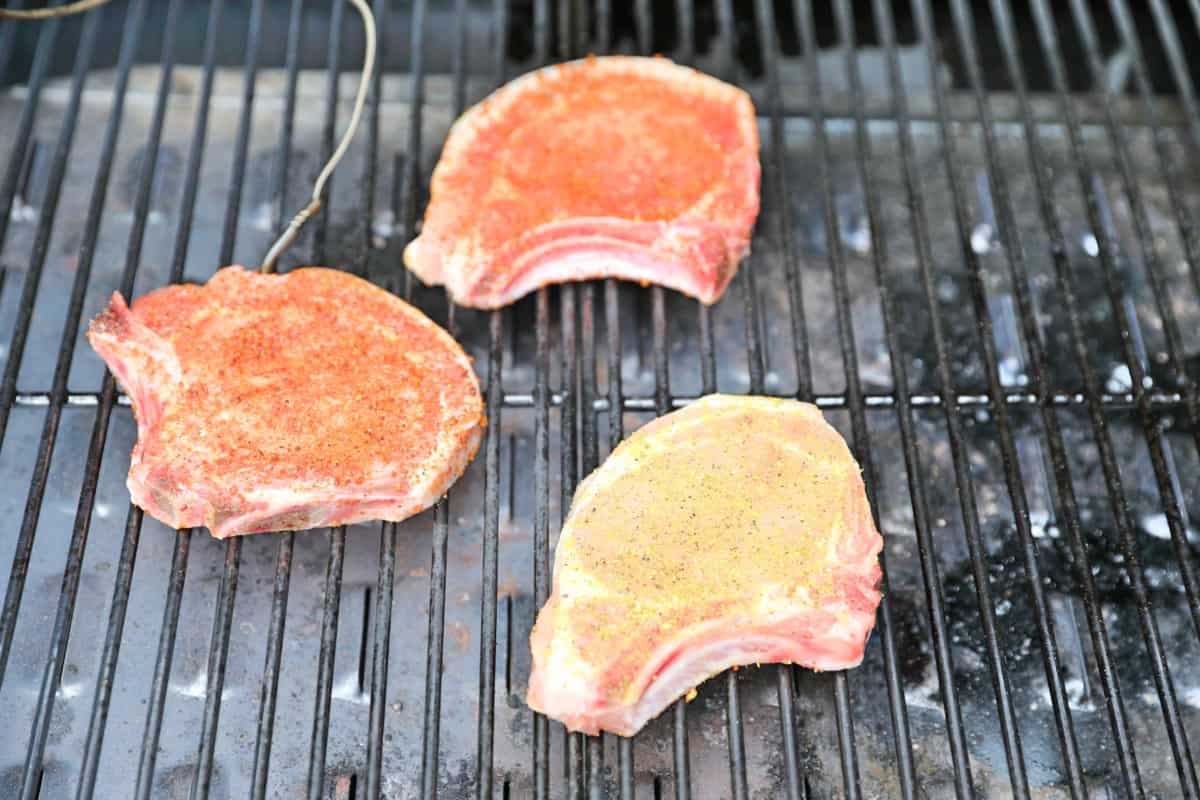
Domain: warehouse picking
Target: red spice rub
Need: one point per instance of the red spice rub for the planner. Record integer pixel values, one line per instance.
(283, 402)
(619, 166)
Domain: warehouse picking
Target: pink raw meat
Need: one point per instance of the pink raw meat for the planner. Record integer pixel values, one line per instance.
(734, 531)
(284, 402)
(624, 167)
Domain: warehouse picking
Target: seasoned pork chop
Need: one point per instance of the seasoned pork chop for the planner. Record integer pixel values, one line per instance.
(283, 402)
(734, 531)
(623, 167)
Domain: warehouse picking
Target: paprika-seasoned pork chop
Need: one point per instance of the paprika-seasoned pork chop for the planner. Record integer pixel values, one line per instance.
(734, 531)
(624, 167)
(284, 402)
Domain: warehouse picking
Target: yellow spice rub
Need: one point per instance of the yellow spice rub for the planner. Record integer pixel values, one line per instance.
(736, 498)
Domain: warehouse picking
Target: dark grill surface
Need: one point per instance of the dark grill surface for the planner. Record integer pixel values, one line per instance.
(976, 253)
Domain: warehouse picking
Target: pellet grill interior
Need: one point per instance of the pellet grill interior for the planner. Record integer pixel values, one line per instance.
(977, 253)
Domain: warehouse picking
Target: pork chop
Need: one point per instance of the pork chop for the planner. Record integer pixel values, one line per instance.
(623, 167)
(734, 531)
(284, 402)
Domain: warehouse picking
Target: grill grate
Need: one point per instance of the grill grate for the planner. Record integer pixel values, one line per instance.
(1002, 271)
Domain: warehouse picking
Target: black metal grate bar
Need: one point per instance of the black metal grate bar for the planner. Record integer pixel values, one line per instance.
(1161, 400)
(23, 145)
(273, 662)
(929, 569)
(568, 478)
(491, 524)
(1160, 454)
(108, 660)
(1014, 480)
(1021, 283)
(52, 673)
(1168, 35)
(323, 694)
(8, 33)
(434, 653)
(162, 665)
(1096, 623)
(898, 706)
(541, 521)
(776, 170)
(1158, 664)
(166, 644)
(965, 490)
(590, 458)
(218, 651)
(385, 581)
(281, 585)
(412, 158)
(37, 484)
(435, 642)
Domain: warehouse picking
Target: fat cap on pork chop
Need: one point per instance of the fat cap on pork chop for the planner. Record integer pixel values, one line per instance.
(625, 167)
(734, 531)
(284, 402)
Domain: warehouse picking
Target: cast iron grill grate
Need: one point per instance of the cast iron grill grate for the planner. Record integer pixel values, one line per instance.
(976, 253)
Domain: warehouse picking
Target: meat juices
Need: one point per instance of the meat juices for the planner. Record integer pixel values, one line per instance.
(624, 167)
(734, 531)
(284, 402)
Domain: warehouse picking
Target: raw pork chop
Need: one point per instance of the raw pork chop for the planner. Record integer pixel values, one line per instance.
(283, 402)
(621, 167)
(734, 531)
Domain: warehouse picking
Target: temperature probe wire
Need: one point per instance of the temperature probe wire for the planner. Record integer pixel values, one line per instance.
(290, 233)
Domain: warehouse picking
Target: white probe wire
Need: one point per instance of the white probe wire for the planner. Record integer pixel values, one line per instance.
(48, 13)
(289, 234)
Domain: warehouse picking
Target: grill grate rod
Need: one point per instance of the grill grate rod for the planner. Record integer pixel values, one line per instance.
(323, 695)
(569, 474)
(24, 145)
(1160, 450)
(1158, 663)
(485, 744)
(1163, 401)
(959, 456)
(756, 355)
(1013, 476)
(589, 459)
(845, 725)
(227, 594)
(388, 532)
(8, 32)
(734, 726)
(162, 665)
(1096, 623)
(861, 436)
(541, 464)
(60, 635)
(435, 640)
(541, 522)
(179, 558)
(273, 660)
(24, 543)
(928, 561)
(965, 489)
